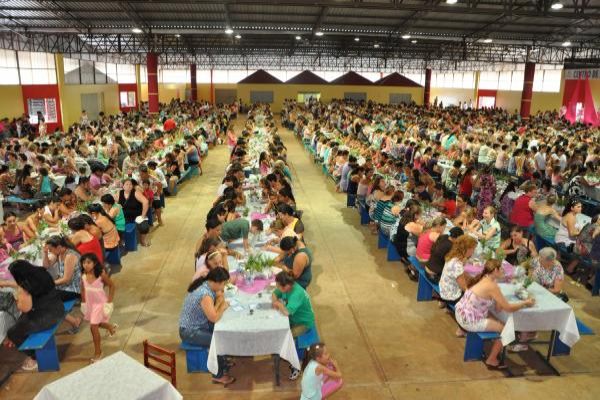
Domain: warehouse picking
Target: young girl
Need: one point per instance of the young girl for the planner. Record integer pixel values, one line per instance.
(95, 305)
(321, 377)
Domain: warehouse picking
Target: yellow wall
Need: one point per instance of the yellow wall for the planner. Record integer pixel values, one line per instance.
(509, 100)
(328, 92)
(71, 100)
(595, 87)
(11, 101)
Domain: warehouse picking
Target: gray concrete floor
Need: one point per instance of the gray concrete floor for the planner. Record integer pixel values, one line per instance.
(388, 345)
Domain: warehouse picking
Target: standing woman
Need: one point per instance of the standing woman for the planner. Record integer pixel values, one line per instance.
(115, 212)
(134, 204)
(83, 240)
(110, 236)
(296, 259)
(39, 303)
(486, 183)
(203, 307)
(65, 264)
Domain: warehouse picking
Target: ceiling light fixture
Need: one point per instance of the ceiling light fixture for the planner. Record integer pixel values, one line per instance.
(177, 35)
(376, 45)
(566, 44)
(451, 1)
(488, 40)
(238, 36)
(406, 36)
(298, 37)
(229, 31)
(357, 39)
(136, 30)
(557, 5)
(413, 41)
(319, 33)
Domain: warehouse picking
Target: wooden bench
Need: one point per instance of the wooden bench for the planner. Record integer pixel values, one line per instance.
(44, 345)
(18, 200)
(196, 357)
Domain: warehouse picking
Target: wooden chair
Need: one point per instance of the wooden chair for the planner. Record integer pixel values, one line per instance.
(161, 356)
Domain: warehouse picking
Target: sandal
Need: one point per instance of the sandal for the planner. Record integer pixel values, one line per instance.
(114, 330)
(29, 365)
(499, 367)
(228, 380)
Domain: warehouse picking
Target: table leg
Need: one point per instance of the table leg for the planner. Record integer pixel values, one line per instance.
(276, 362)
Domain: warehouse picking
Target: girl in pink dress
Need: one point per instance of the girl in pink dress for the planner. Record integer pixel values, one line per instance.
(96, 306)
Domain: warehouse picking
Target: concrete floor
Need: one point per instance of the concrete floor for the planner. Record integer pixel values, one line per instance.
(388, 345)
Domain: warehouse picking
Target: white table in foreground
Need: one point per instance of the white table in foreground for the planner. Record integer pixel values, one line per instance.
(264, 332)
(117, 377)
(548, 314)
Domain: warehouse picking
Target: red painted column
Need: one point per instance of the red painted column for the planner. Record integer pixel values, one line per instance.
(212, 88)
(152, 67)
(527, 89)
(427, 91)
(193, 82)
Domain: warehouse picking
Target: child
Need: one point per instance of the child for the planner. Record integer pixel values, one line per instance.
(5, 248)
(95, 305)
(321, 377)
(153, 200)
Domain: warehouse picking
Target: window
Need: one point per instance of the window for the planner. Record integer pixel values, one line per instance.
(127, 99)
(126, 73)
(173, 75)
(488, 80)
(552, 78)
(143, 74)
(71, 71)
(234, 76)
(47, 107)
(111, 73)
(100, 72)
(36, 68)
(203, 76)
(418, 78)
(518, 78)
(372, 76)
(9, 71)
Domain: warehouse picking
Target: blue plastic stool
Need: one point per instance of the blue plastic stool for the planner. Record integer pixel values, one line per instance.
(131, 240)
(113, 256)
(474, 344)
(382, 240)
(196, 357)
(559, 348)
(150, 215)
(392, 252)
(305, 340)
(365, 218)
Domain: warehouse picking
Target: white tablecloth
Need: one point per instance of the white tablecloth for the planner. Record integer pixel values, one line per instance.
(549, 313)
(114, 378)
(265, 332)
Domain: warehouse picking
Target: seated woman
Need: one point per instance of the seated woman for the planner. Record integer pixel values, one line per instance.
(34, 220)
(428, 238)
(406, 236)
(84, 241)
(453, 280)
(212, 260)
(548, 272)
(544, 213)
(467, 220)
(39, 303)
(489, 232)
(296, 259)
(390, 213)
(516, 248)
(66, 267)
(293, 225)
(68, 202)
(14, 234)
(83, 190)
(440, 248)
(568, 231)
(293, 301)
(203, 306)
(472, 310)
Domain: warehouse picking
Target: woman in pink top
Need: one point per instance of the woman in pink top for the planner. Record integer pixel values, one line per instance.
(428, 238)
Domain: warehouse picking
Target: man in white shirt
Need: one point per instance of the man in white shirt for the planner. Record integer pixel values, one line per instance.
(540, 159)
(482, 158)
(562, 159)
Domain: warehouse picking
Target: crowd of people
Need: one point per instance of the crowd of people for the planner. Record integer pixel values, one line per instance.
(87, 184)
(473, 173)
(225, 223)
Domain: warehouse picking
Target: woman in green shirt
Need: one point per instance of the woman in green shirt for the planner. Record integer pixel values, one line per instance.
(115, 211)
(541, 219)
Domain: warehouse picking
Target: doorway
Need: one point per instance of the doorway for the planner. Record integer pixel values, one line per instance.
(92, 103)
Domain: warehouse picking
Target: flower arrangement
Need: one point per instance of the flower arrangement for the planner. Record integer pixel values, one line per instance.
(258, 263)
